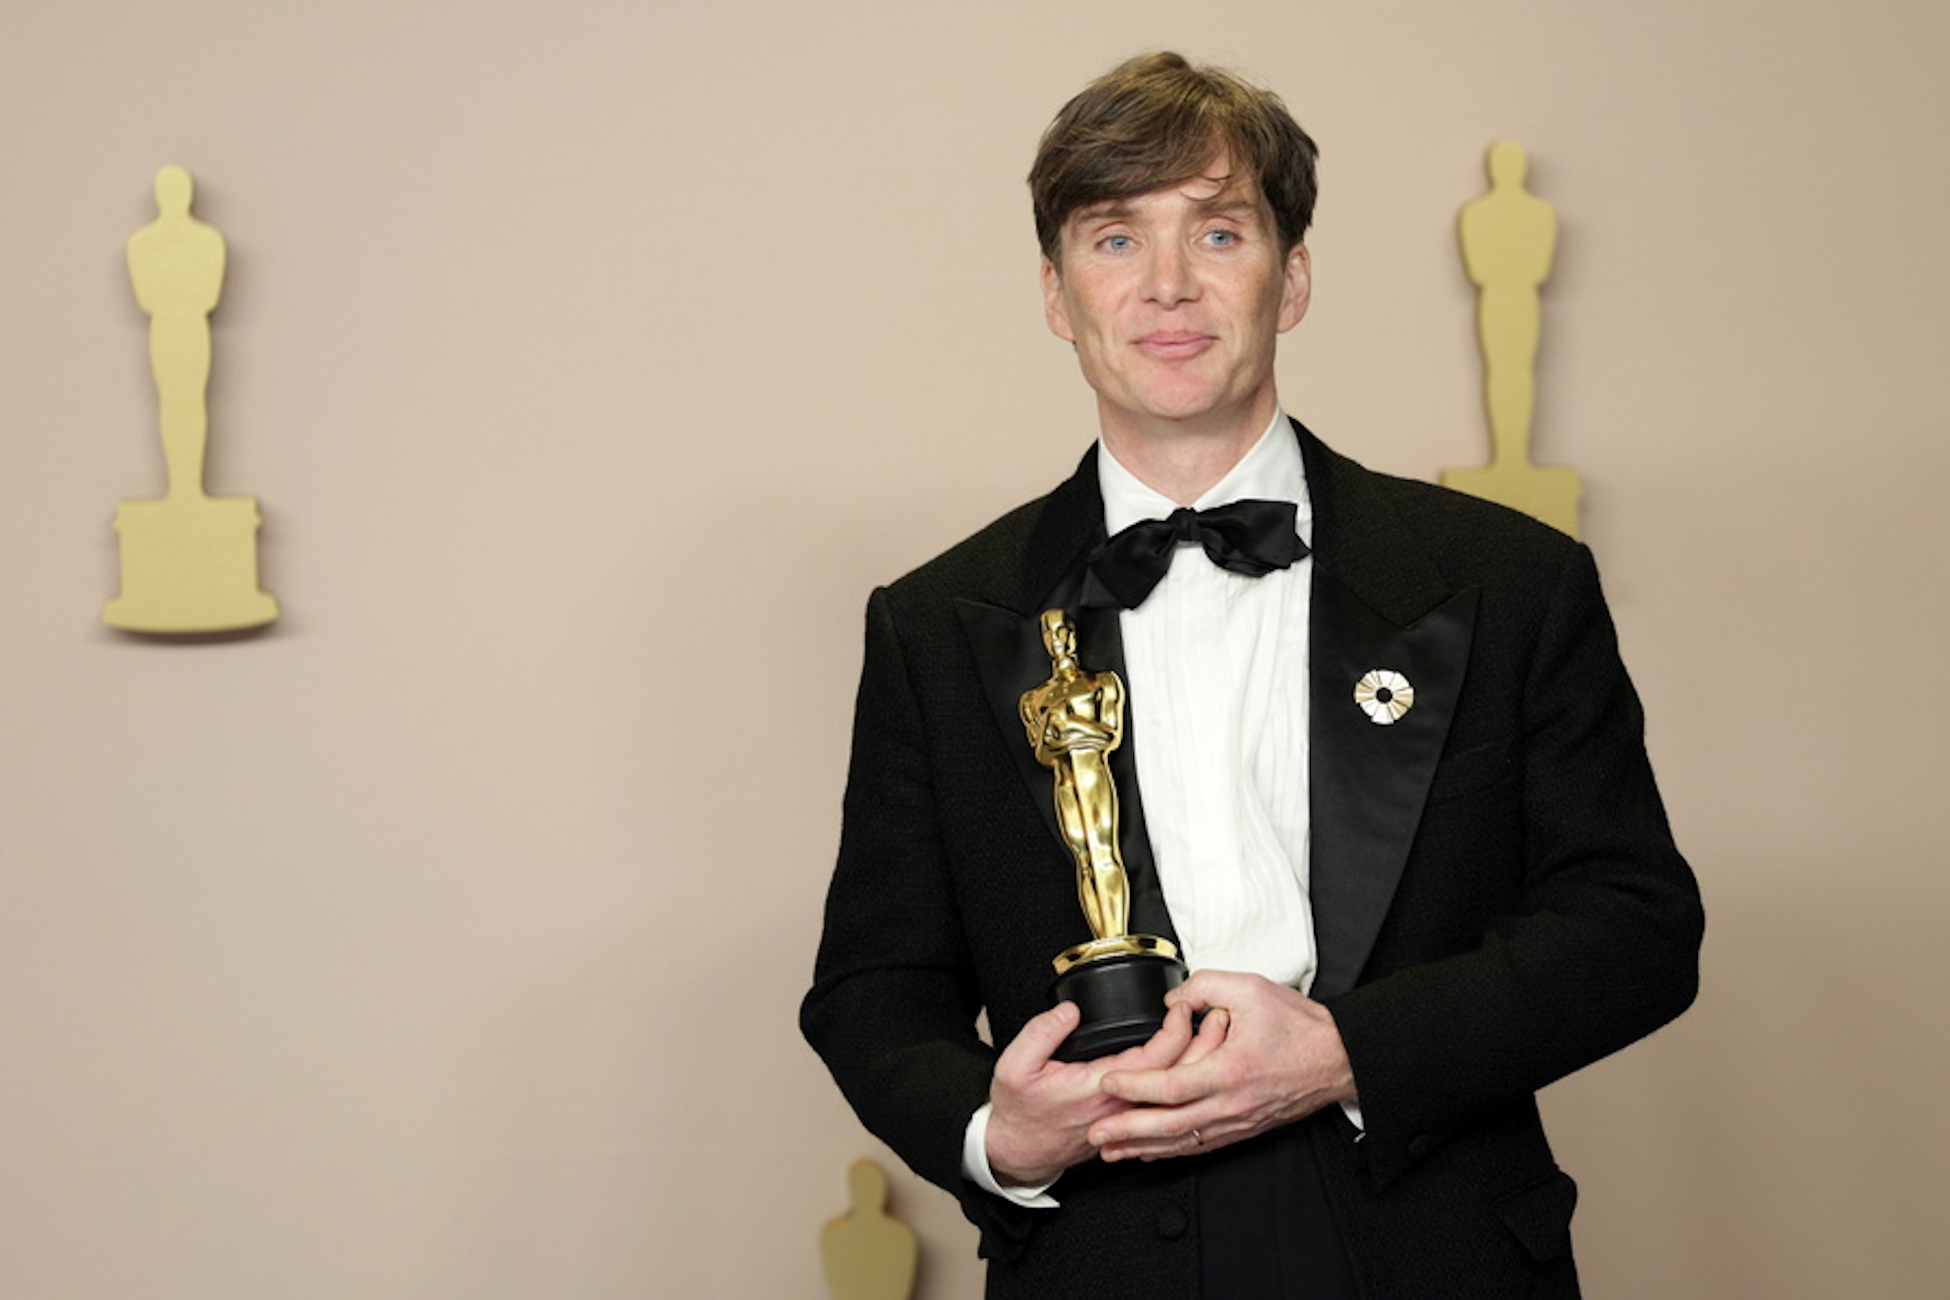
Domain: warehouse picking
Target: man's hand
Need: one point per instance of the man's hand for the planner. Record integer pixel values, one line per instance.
(1276, 1058)
(1042, 1110)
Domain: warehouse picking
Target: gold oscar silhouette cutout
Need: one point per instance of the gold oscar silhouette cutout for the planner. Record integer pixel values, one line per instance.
(1118, 980)
(867, 1253)
(189, 561)
(1509, 237)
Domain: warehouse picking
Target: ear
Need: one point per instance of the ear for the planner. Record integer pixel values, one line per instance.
(1299, 287)
(1053, 311)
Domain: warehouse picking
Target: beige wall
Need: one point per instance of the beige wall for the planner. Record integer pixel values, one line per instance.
(446, 941)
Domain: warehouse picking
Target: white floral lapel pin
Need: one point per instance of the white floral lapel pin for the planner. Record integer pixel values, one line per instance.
(1384, 695)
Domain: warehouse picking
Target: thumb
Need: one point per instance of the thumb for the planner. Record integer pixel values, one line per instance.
(1040, 1037)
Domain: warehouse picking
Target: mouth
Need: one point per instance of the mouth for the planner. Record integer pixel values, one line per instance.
(1173, 345)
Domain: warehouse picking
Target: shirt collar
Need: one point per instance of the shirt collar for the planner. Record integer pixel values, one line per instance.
(1271, 471)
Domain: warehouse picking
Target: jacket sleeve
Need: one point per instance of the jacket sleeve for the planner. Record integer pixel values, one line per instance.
(1591, 935)
(894, 1002)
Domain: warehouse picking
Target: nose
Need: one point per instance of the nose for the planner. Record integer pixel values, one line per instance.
(1169, 278)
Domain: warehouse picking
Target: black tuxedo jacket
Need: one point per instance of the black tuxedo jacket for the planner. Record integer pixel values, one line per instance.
(1496, 894)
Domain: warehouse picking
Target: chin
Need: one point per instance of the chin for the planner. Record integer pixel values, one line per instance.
(1183, 407)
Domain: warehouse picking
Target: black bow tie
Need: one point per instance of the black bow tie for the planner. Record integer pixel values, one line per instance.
(1249, 537)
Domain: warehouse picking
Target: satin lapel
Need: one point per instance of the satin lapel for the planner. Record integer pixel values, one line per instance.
(1377, 605)
(1007, 644)
(1368, 780)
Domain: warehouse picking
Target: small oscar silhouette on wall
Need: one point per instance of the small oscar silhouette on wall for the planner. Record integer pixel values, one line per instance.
(189, 561)
(866, 1253)
(1509, 237)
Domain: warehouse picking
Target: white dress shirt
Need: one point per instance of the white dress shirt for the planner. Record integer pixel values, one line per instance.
(1217, 700)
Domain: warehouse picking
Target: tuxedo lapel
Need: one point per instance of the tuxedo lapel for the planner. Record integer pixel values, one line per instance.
(1007, 644)
(1378, 607)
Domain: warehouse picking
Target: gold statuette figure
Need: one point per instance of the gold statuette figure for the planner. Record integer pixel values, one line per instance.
(1509, 237)
(189, 561)
(1074, 721)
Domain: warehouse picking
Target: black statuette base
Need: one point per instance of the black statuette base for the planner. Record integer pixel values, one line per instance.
(1122, 998)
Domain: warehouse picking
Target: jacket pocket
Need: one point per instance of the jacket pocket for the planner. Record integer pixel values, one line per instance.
(1538, 1214)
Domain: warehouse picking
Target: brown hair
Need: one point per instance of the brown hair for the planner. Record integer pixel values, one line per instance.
(1157, 120)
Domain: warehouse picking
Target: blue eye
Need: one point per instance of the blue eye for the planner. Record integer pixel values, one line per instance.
(1223, 238)
(1117, 243)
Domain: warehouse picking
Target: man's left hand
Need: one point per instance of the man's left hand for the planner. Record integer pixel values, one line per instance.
(1280, 1060)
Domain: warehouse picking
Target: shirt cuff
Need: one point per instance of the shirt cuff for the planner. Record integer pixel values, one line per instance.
(1352, 1109)
(975, 1166)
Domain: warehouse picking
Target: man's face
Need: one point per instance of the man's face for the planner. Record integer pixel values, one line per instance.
(1174, 300)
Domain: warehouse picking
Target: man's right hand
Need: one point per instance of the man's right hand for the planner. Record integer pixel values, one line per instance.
(1041, 1109)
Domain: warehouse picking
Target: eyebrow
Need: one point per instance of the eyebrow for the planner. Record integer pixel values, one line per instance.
(1109, 210)
(1229, 206)
(1227, 202)
(1231, 198)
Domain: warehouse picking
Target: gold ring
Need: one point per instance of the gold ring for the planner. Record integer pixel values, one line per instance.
(1197, 1141)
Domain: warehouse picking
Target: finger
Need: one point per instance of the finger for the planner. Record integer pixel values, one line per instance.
(1190, 1143)
(1211, 1033)
(1170, 1042)
(1210, 988)
(1039, 1038)
(1163, 1148)
(1150, 1132)
(1177, 1085)
(1162, 1049)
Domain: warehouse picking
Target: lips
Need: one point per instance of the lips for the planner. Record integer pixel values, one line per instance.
(1173, 345)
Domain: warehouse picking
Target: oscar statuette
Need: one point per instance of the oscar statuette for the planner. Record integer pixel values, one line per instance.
(1118, 980)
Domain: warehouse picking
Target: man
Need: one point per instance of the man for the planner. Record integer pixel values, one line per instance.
(1390, 798)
